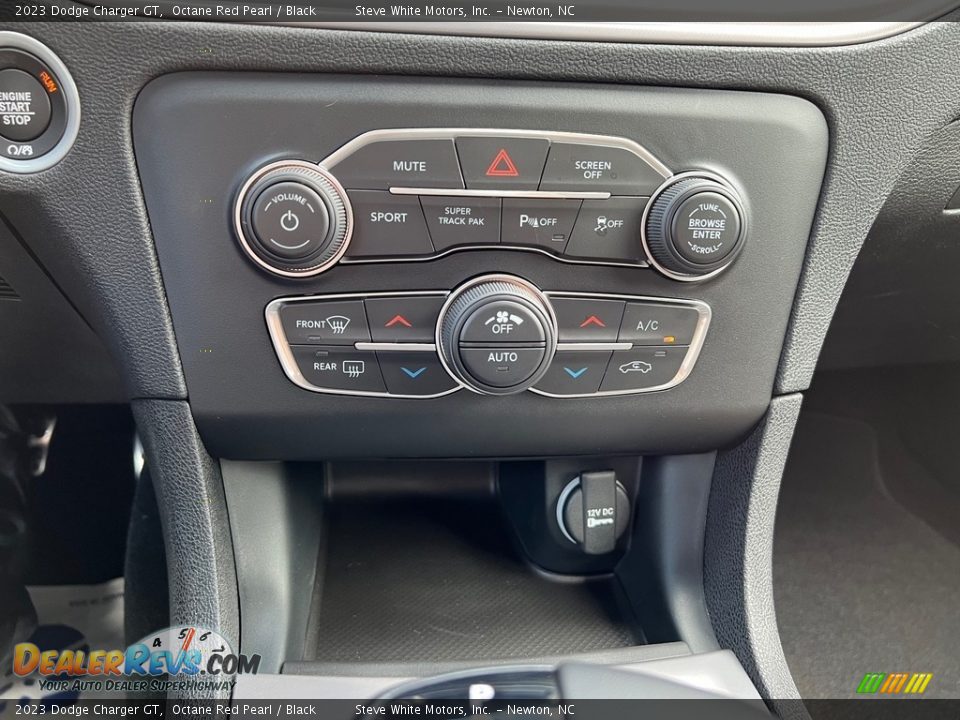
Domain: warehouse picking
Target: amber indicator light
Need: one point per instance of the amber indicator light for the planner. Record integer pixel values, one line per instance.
(48, 82)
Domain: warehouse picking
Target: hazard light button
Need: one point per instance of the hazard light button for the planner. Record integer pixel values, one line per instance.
(502, 163)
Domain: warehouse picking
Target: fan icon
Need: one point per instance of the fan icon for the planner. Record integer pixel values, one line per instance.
(502, 316)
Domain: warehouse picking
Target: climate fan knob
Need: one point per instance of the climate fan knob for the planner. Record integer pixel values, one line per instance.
(497, 334)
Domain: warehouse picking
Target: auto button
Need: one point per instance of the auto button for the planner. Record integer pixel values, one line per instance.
(502, 367)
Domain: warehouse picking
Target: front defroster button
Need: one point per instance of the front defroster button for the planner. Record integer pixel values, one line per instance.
(340, 322)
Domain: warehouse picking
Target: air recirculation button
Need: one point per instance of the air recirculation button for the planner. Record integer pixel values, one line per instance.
(497, 335)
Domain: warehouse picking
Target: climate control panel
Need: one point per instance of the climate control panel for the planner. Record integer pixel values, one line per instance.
(493, 335)
(417, 194)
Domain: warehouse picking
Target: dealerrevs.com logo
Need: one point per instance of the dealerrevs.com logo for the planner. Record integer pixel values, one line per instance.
(181, 653)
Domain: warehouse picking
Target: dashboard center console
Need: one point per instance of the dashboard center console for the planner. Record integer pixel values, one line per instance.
(356, 266)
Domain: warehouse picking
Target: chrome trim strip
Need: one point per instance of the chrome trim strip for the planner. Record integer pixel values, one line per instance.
(493, 246)
(689, 360)
(542, 194)
(562, 506)
(592, 347)
(396, 346)
(767, 34)
(292, 371)
(561, 136)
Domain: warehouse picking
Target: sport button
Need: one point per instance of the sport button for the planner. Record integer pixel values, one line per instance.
(502, 163)
(386, 225)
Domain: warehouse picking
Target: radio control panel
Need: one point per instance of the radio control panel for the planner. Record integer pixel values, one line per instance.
(417, 194)
(494, 335)
(389, 266)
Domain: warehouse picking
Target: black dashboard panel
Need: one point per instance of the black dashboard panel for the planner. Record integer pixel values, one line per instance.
(199, 136)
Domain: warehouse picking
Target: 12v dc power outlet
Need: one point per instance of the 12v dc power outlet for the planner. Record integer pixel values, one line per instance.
(596, 511)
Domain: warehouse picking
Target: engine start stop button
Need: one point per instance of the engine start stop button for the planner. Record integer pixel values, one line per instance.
(24, 106)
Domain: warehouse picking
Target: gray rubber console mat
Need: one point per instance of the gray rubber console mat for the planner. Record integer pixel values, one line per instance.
(439, 582)
(861, 584)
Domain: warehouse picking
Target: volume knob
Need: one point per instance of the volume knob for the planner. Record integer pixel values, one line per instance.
(293, 218)
(695, 227)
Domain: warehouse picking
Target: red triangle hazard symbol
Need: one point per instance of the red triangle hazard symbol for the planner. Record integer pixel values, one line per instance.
(502, 166)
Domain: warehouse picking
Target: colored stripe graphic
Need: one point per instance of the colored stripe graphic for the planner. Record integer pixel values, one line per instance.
(894, 683)
(918, 683)
(870, 683)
